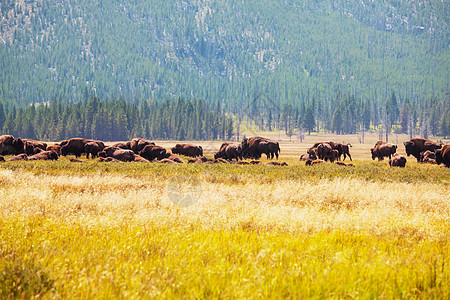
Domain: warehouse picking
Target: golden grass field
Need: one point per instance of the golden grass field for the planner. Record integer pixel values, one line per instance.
(111, 230)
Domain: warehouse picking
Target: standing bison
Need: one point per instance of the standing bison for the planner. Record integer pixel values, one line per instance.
(417, 145)
(255, 146)
(187, 150)
(443, 155)
(93, 148)
(382, 150)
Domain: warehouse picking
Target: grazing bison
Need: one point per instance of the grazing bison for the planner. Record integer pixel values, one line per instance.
(45, 155)
(74, 146)
(382, 150)
(255, 146)
(138, 144)
(229, 151)
(443, 155)
(151, 152)
(343, 149)
(11, 146)
(21, 156)
(417, 145)
(93, 148)
(187, 150)
(56, 148)
(397, 161)
(119, 154)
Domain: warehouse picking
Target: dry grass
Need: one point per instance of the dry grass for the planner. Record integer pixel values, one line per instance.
(98, 230)
(349, 204)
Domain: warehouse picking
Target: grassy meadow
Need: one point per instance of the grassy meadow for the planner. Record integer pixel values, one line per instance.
(112, 230)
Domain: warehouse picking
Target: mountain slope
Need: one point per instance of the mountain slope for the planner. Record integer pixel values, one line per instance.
(227, 50)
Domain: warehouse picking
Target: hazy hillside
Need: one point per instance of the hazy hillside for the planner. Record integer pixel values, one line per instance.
(228, 50)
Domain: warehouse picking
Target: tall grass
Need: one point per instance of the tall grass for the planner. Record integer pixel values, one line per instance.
(111, 231)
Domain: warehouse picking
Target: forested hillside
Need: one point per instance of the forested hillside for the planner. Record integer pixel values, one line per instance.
(299, 54)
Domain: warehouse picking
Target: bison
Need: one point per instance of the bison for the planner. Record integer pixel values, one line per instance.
(151, 152)
(121, 145)
(417, 145)
(382, 150)
(138, 144)
(32, 145)
(45, 155)
(21, 156)
(119, 154)
(187, 150)
(11, 146)
(255, 146)
(74, 146)
(443, 155)
(397, 161)
(229, 151)
(93, 148)
(56, 148)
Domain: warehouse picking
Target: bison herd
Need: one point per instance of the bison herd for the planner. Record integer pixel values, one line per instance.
(142, 150)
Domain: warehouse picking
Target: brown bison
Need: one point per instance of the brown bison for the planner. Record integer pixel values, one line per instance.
(175, 158)
(443, 155)
(397, 161)
(21, 156)
(108, 159)
(45, 155)
(187, 150)
(229, 151)
(138, 144)
(151, 152)
(74, 146)
(343, 149)
(341, 163)
(255, 146)
(323, 151)
(31, 146)
(312, 162)
(10, 145)
(276, 163)
(417, 145)
(382, 150)
(56, 148)
(93, 148)
(119, 154)
(428, 157)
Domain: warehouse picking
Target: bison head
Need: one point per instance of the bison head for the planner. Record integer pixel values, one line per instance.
(409, 147)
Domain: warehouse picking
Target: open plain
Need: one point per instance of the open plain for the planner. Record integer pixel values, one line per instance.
(114, 230)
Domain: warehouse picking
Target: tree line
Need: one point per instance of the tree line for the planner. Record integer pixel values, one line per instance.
(347, 114)
(117, 120)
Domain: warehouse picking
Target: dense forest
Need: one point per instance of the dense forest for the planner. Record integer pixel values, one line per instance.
(333, 65)
(117, 120)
